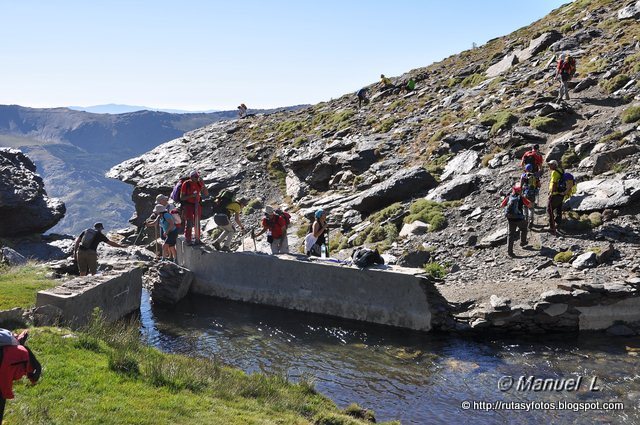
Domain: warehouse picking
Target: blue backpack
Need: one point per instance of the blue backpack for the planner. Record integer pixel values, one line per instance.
(512, 211)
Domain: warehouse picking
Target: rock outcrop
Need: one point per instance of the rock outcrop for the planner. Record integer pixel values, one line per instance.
(24, 205)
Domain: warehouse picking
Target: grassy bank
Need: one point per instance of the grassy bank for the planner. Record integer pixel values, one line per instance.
(19, 285)
(105, 375)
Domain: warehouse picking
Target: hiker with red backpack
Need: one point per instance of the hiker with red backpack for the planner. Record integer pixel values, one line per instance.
(514, 205)
(191, 193)
(534, 158)
(565, 69)
(16, 361)
(275, 224)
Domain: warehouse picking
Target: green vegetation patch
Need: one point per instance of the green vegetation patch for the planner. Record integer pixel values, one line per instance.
(435, 269)
(278, 173)
(19, 285)
(473, 80)
(253, 205)
(569, 158)
(563, 257)
(288, 129)
(386, 125)
(594, 65)
(106, 376)
(545, 124)
(498, 121)
(631, 114)
(380, 229)
(615, 83)
(430, 212)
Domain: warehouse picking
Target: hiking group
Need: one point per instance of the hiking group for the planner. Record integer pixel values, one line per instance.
(519, 205)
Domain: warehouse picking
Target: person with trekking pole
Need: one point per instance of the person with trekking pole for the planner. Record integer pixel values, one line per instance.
(276, 227)
(319, 228)
(190, 195)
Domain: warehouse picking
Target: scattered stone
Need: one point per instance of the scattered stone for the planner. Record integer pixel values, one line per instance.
(416, 228)
(169, 282)
(47, 315)
(556, 309)
(555, 295)
(12, 258)
(497, 238)
(13, 317)
(499, 303)
(586, 260)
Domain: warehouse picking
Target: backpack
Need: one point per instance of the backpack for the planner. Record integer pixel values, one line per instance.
(283, 214)
(531, 185)
(530, 158)
(175, 193)
(562, 184)
(175, 213)
(88, 237)
(568, 67)
(364, 257)
(221, 202)
(512, 211)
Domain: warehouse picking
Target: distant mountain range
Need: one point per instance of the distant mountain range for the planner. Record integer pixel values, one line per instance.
(114, 108)
(73, 150)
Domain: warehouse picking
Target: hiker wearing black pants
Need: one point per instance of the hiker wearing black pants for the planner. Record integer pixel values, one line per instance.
(362, 96)
(556, 196)
(513, 206)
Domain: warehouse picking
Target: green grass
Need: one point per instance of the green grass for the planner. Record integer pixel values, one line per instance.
(379, 231)
(498, 121)
(19, 285)
(430, 212)
(615, 83)
(569, 158)
(545, 124)
(84, 382)
(563, 257)
(253, 205)
(278, 173)
(386, 125)
(473, 80)
(631, 114)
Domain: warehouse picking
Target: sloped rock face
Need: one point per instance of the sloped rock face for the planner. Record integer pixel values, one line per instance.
(597, 195)
(24, 205)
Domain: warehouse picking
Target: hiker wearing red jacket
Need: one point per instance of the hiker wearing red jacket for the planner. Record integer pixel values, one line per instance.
(534, 158)
(16, 361)
(190, 195)
(565, 69)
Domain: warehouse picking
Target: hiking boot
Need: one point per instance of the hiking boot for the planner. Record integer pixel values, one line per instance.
(216, 245)
(531, 225)
(511, 254)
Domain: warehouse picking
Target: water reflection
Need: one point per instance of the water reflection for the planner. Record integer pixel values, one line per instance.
(414, 377)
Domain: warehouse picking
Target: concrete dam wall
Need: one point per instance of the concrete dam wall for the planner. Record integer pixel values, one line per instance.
(379, 295)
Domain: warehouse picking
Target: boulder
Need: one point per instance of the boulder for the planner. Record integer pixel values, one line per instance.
(497, 238)
(416, 228)
(399, 186)
(12, 318)
(503, 65)
(24, 205)
(455, 189)
(414, 259)
(630, 12)
(596, 195)
(584, 84)
(584, 261)
(170, 282)
(605, 160)
(12, 257)
(538, 44)
(462, 163)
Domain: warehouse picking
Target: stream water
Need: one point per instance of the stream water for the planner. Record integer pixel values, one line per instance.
(413, 377)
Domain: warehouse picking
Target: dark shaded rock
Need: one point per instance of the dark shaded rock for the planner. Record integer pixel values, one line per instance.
(414, 259)
(47, 315)
(12, 318)
(400, 186)
(565, 44)
(12, 258)
(24, 205)
(170, 282)
(620, 330)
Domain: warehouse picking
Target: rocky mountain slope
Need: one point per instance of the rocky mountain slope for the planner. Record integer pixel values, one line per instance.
(420, 175)
(73, 149)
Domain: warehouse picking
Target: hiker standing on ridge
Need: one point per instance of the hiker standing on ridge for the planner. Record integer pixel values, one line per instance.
(276, 227)
(169, 229)
(530, 184)
(362, 96)
(513, 207)
(232, 208)
(385, 83)
(190, 195)
(534, 158)
(564, 72)
(86, 248)
(557, 189)
(242, 110)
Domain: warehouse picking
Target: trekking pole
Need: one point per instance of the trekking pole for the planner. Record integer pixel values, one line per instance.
(253, 236)
(155, 241)
(139, 234)
(327, 242)
(196, 230)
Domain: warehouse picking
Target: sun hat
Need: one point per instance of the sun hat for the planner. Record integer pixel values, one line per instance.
(159, 209)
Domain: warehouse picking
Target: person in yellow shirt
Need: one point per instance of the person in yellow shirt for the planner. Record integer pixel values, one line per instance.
(223, 242)
(386, 83)
(556, 195)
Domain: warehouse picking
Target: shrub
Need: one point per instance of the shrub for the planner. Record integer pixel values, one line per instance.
(430, 212)
(253, 205)
(438, 135)
(386, 125)
(631, 114)
(435, 269)
(615, 83)
(563, 257)
(595, 218)
(545, 124)
(278, 173)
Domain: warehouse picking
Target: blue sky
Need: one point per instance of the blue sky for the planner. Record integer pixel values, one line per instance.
(198, 55)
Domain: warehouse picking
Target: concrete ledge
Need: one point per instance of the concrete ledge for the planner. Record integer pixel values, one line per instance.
(116, 293)
(378, 296)
(602, 316)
